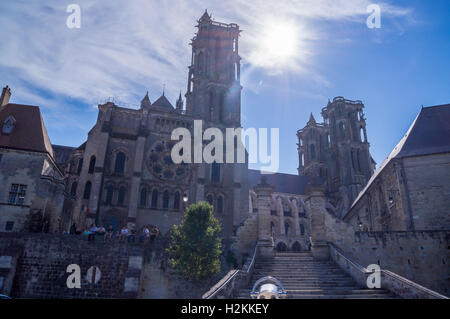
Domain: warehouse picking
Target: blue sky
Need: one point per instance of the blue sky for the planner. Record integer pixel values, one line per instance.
(124, 48)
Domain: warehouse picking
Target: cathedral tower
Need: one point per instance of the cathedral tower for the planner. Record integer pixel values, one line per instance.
(351, 164)
(214, 90)
(313, 149)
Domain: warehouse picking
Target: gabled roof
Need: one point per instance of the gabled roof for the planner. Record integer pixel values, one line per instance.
(428, 134)
(312, 120)
(62, 153)
(163, 102)
(146, 101)
(283, 183)
(29, 133)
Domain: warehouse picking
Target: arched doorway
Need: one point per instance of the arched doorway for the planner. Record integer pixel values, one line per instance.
(296, 247)
(281, 247)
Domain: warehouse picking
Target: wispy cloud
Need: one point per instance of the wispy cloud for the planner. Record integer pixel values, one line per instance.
(125, 47)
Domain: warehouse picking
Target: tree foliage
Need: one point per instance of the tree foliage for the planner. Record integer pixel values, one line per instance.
(196, 243)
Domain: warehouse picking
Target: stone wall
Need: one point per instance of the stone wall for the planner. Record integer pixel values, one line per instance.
(420, 256)
(428, 179)
(34, 266)
(44, 189)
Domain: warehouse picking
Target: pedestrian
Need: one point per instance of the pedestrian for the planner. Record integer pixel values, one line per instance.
(132, 234)
(73, 229)
(109, 234)
(123, 233)
(145, 234)
(94, 230)
(87, 233)
(101, 231)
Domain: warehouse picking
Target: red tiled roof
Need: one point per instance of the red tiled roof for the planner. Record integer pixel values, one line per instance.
(29, 133)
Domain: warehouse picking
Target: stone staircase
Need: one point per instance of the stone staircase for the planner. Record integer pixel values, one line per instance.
(306, 278)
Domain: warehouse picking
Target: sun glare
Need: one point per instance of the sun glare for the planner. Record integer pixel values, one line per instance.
(278, 45)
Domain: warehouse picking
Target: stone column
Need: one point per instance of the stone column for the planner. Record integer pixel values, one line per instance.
(280, 208)
(316, 201)
(265, 241)
(296, 219)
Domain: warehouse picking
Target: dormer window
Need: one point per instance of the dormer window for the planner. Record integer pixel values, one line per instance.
(9, 125)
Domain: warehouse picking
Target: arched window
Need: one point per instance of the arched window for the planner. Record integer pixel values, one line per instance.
(73, 190)
(313, 151)
(109, 194)
(176, 201)
(361, 133)
(92, 165)
(143, 200)
(342, 129)
(166, 197)
(302, 229)
(209, 199)
(155, 198)
(87, 190)
(121, 197)
(80, 166)
(286, 228)
(119, 166)
(220, 204)
(215, 172)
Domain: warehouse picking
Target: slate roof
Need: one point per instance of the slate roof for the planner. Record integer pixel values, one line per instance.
(29, 133)
(428, 134)
(163, 102)
(283, 183)
(62, 153)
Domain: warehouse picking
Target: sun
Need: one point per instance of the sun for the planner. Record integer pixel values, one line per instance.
(277, 45)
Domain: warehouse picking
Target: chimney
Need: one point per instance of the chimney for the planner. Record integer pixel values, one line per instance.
(6, 94)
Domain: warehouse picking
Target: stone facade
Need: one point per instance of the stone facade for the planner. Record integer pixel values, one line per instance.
(124, 174)
(31, 183)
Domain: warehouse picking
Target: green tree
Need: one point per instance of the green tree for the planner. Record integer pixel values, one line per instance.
(196, 244)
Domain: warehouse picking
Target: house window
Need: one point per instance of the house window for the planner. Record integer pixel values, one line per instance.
(92, 165)
(143, 201)
(121, 197)
(73, 190)
(119, 166)
(109, 194)
(176, 201)
(87, 190)
(155, 198)
(17, 194)
(80, 166)
(166, 200)
(302, 229)
(9, 226)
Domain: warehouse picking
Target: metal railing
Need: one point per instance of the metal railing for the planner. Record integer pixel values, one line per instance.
(393, 282)
(233, 279)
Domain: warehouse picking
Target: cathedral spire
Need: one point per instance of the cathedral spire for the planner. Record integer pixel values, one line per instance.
(205, 17)
(312, 120)
(179, 104)
(146, 101)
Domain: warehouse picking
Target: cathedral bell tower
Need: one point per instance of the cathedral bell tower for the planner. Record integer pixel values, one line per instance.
(214, 89)
(313, 147)
(350, 159)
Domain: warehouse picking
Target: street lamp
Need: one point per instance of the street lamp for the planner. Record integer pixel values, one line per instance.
(185, 198)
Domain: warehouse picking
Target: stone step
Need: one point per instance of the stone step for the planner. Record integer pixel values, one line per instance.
(306, 278)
